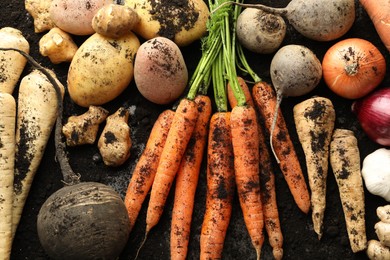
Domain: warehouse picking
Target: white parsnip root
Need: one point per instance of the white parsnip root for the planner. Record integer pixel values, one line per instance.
(36, 116)
(7, 162)
(11, 63)
(314, 121)
(58, 46)
(83, 129)
(345, 162)
(115, 141)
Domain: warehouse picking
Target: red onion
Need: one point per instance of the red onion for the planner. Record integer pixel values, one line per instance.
(373, 113)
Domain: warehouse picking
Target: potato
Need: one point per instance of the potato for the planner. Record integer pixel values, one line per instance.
(75, 16)
(182, 21)
(160, 72)
(101, 69)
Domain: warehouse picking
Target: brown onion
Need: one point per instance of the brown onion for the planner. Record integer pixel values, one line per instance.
(373, 113)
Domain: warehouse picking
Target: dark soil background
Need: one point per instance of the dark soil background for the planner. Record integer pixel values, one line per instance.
(300, 241)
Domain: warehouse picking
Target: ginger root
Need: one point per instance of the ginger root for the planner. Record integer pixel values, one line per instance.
(115, 142)
(83, 129)
(58, 46)
(39, 10)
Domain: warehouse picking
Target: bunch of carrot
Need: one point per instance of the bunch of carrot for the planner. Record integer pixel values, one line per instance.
(238, 159)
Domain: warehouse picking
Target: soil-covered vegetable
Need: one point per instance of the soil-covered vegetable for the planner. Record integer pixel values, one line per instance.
(101, 69)
(160, 71)
(83, 221)
(182, 21)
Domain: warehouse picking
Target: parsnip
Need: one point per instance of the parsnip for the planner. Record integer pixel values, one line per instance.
(36, 116)
(314, 121)
(7, 159)
(11, 63)
(345, 163)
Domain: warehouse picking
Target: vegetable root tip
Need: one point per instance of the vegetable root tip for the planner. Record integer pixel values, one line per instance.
(142, 244)
(277, 253)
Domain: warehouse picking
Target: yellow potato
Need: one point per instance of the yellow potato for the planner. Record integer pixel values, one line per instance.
(101, 69)
(180, 21)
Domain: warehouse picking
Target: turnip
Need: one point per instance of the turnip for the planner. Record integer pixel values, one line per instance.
(81, 220)
(323, 20)
(259, 31)
(295, 71)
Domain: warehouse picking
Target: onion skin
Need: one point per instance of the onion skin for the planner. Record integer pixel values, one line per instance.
(373, 113)
(353, 67)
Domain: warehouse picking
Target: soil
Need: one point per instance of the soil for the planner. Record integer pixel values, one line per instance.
(300, 241)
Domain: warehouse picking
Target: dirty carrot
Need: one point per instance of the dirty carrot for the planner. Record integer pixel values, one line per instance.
(183, 124)
(379, 13)
(7, 162)
(248, 95)
(36, 116)
(345, 163)
(314, 122)
(220, 187)
(145, 169)
(265, 101)
(187, 181)
(267, 182)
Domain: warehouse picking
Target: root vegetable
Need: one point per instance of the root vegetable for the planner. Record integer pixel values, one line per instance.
(36, 116)
(58, 46)
(183, 22)
(314, 120)
(101, 69)
(160, 72)
(378, 11)
(7, 162)
(259, 31)
(377, 251)
(115, 141)
(145, 170)
(114, 20)
(345, 163)
(83, 129)
(295, 71)
(324, 20)
(384, 213)
(11, 63)
(40, 12)
(382, 230)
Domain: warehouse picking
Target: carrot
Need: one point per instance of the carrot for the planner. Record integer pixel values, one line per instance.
(7, 162)
(187, 180)
(145, 169)
(179, 134)
(36, 116)
(265, 100)
(345, 163)
(267, 182)
(220, 187)
(379, 13)
(314, 121)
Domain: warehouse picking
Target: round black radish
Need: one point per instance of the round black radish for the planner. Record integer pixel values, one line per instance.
(83, 221)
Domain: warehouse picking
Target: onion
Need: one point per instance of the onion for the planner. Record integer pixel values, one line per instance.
(373, 113)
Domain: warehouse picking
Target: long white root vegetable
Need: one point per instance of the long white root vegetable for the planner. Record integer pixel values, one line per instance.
(345, 162)
(36, 116)
(7, 161)
(314, 121)
(11, 63)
